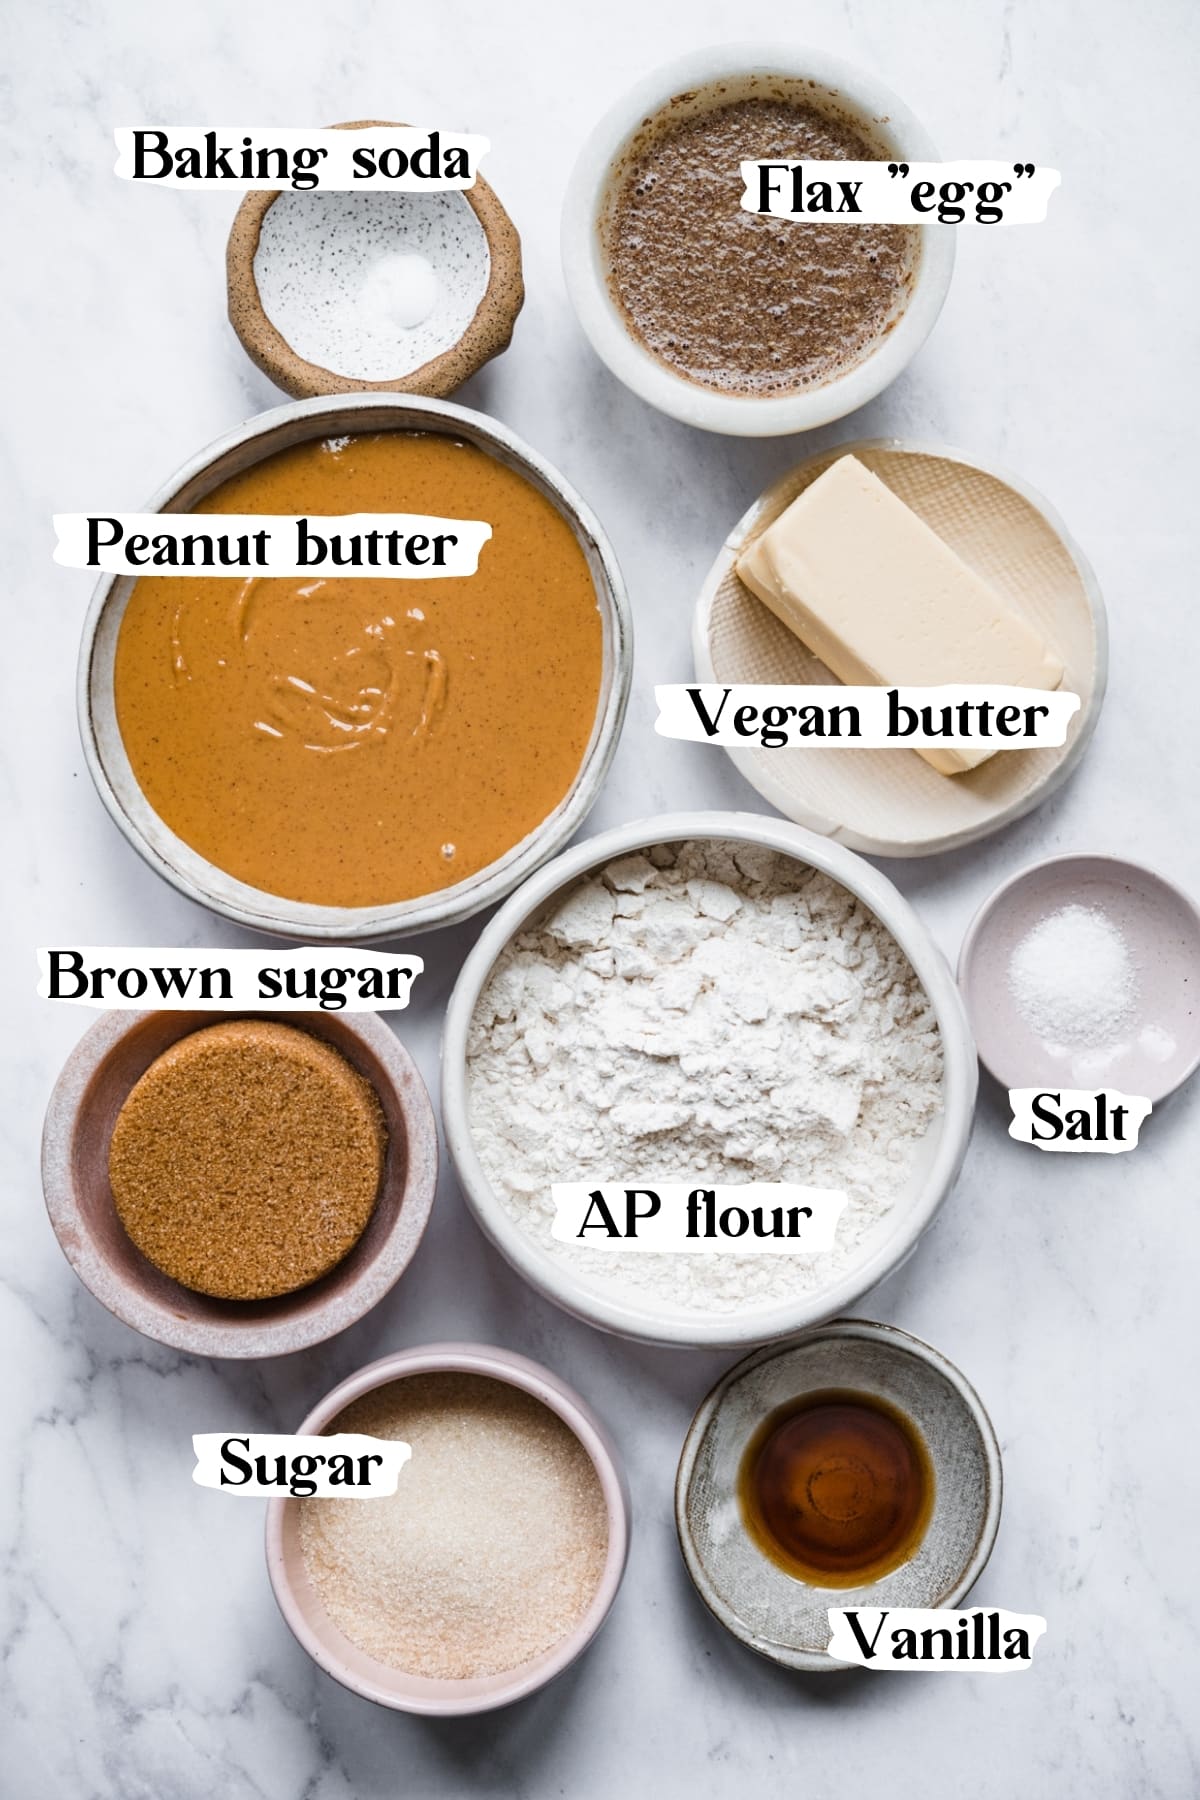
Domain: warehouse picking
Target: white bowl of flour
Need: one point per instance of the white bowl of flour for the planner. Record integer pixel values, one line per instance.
(707, 998)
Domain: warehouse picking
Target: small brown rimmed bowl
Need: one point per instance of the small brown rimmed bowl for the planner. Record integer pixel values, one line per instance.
(93, 1086)
(363, 1674)
(488, 329)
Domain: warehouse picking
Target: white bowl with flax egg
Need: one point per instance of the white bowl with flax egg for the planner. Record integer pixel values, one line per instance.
(496, 1561)
(357, 757)
(814, 320)
(707, 997)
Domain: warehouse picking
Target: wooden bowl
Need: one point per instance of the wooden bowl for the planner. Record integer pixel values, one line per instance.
(95, 1082)
(292, 242)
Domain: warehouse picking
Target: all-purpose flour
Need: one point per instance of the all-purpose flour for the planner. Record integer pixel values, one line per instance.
(708, 1012)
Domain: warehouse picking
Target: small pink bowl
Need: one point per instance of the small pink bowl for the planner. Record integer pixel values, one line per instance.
(94, 1084)
(362, 1674)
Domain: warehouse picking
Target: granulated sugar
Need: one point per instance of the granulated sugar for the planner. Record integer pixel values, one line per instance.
(708, 1012)
(1073, 978)
(492, 1546)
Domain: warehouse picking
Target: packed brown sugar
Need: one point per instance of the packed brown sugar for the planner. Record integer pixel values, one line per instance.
(246, 1161)
(358, 740)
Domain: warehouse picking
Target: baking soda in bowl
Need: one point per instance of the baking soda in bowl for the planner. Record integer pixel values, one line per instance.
(707, 1012)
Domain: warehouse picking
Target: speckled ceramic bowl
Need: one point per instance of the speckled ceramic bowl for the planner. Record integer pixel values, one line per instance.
(203, 881)
(303, 298)
(363, 1674)
(781, 1617)
(95, 1082)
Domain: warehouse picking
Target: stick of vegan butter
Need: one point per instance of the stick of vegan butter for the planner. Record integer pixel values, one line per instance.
(884, 602)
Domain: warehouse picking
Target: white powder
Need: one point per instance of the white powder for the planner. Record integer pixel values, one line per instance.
(490, 1550)
(1073, 978)
(371, 286)
(708, 1012)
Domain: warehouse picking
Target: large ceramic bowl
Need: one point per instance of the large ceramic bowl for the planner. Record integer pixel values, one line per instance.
(363, 1673)
(940, 1153)
(720, 74)
(201, 880)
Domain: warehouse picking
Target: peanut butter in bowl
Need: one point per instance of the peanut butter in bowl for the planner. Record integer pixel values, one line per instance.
(347, 740)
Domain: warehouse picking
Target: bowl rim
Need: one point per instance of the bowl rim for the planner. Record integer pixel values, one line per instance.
(229, 1338)
(959, 1083)
(543, 1384)
(209, 886)
(637, 367)
(895, 1339)
(762, 780)
(1139, 874)
(488, 333)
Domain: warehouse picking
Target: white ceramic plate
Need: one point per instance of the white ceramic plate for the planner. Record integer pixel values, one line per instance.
(891, 802)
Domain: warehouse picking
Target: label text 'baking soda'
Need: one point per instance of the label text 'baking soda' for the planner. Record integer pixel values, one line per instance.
(223, 980)
(1102, 1119)
(982, 1639)
(900, 193)
(265, 1465)
(751, 1216)
(397, 158)
(406, 545)
(966, 716)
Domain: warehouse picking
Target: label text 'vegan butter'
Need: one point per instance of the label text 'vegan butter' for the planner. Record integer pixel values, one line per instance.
(883, 601)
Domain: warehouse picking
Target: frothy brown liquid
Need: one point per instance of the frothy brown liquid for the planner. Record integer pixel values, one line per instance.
(746, 304)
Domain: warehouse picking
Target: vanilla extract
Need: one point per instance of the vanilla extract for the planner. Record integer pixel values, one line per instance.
(836, 1488)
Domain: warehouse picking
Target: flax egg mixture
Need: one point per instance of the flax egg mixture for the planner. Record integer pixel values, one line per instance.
(358, 740)
(742, 303)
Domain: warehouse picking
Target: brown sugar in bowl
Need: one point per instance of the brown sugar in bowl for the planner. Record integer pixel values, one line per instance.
(95, 1083)
(246, 1161)
(486, 333)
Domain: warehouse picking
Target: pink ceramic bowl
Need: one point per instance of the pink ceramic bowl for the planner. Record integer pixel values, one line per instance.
(362, 1674)
(1157, 1046)
(87, 1097)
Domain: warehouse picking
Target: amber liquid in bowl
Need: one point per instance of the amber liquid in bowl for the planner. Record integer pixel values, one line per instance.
(350, 740)
(836, 1488)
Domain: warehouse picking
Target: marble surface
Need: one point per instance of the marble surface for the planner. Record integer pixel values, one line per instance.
(141, 1654)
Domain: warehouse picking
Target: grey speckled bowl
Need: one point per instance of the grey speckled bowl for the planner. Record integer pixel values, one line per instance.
(93, 1086)
(781, 1617)
(202, 881)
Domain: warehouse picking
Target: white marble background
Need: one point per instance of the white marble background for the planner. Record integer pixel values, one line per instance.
(142, 1655)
